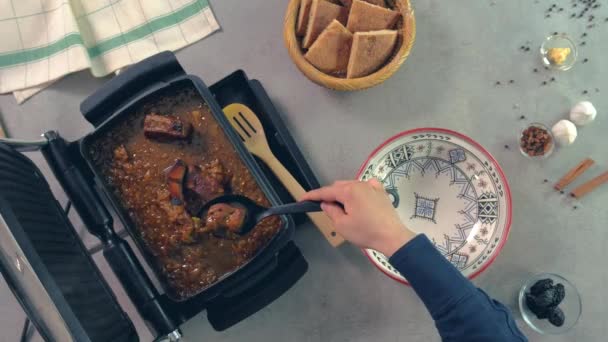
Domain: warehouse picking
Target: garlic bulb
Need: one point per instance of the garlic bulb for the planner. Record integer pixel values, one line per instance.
(583, 113)
(564, 132)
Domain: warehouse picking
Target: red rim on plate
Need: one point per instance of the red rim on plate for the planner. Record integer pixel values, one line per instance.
(497, 167)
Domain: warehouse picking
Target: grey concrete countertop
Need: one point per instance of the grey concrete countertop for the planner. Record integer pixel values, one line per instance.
(461, 50)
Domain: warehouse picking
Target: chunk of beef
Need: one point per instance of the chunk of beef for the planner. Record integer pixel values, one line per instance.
(166, 126)
(204, 184)
(208, 181)
(175, 181)
(223, 216)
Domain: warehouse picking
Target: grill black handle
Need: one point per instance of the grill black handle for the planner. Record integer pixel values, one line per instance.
(98, 221)
(94, 214)
(138, 286)
(125, 86)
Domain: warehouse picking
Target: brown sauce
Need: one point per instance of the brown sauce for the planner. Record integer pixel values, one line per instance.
(139, 182)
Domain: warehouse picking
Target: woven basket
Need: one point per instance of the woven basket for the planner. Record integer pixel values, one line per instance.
(407, 33)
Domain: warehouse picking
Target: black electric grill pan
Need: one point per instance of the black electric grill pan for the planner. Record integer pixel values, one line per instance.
(47, 266)
(168, 88)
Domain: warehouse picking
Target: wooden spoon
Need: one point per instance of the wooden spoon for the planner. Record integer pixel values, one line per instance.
(250, 129)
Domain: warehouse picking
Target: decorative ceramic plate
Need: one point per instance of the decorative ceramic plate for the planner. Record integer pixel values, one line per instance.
(447, 186)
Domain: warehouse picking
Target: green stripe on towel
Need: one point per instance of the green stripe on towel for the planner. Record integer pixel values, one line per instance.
(154, 25)
(30, 55)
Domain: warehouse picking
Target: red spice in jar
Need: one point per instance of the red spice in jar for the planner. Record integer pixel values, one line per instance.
(536, 141)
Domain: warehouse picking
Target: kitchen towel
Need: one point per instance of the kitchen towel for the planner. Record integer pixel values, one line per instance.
(44, 40)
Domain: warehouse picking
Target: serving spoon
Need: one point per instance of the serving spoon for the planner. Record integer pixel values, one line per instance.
(248, 126)
(255, 213)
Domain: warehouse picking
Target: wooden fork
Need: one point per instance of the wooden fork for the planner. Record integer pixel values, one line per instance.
(250, 129)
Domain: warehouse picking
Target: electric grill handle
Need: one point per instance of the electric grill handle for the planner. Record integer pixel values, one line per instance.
(105, 101)
(138, 286)
(99, 222)
(94, 214)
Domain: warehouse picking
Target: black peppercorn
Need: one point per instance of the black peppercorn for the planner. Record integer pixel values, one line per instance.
(585, 92)
(544, 83)
(511, 81)
(535, 70)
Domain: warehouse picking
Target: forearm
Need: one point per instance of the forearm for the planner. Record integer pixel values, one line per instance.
(461, 311)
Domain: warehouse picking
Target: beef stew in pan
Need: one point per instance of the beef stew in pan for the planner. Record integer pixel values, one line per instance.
(164, 162)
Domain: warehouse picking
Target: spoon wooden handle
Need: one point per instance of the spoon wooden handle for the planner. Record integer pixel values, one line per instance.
(295, 189)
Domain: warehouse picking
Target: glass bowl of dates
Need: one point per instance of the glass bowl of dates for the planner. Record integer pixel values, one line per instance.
(549, 303)
(536, 141)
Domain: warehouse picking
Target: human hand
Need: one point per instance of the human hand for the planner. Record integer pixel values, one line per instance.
(367, 218)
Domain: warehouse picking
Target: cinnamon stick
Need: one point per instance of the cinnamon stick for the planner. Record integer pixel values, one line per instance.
(590, 185)
(573, 174)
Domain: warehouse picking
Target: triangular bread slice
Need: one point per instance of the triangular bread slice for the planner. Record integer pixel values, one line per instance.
(303, 15)
(322, 13)
(348, 3)
(369, 51)
(367, 17)
(330, 52)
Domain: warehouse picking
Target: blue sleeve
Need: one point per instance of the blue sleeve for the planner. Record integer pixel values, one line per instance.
(461, 311)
